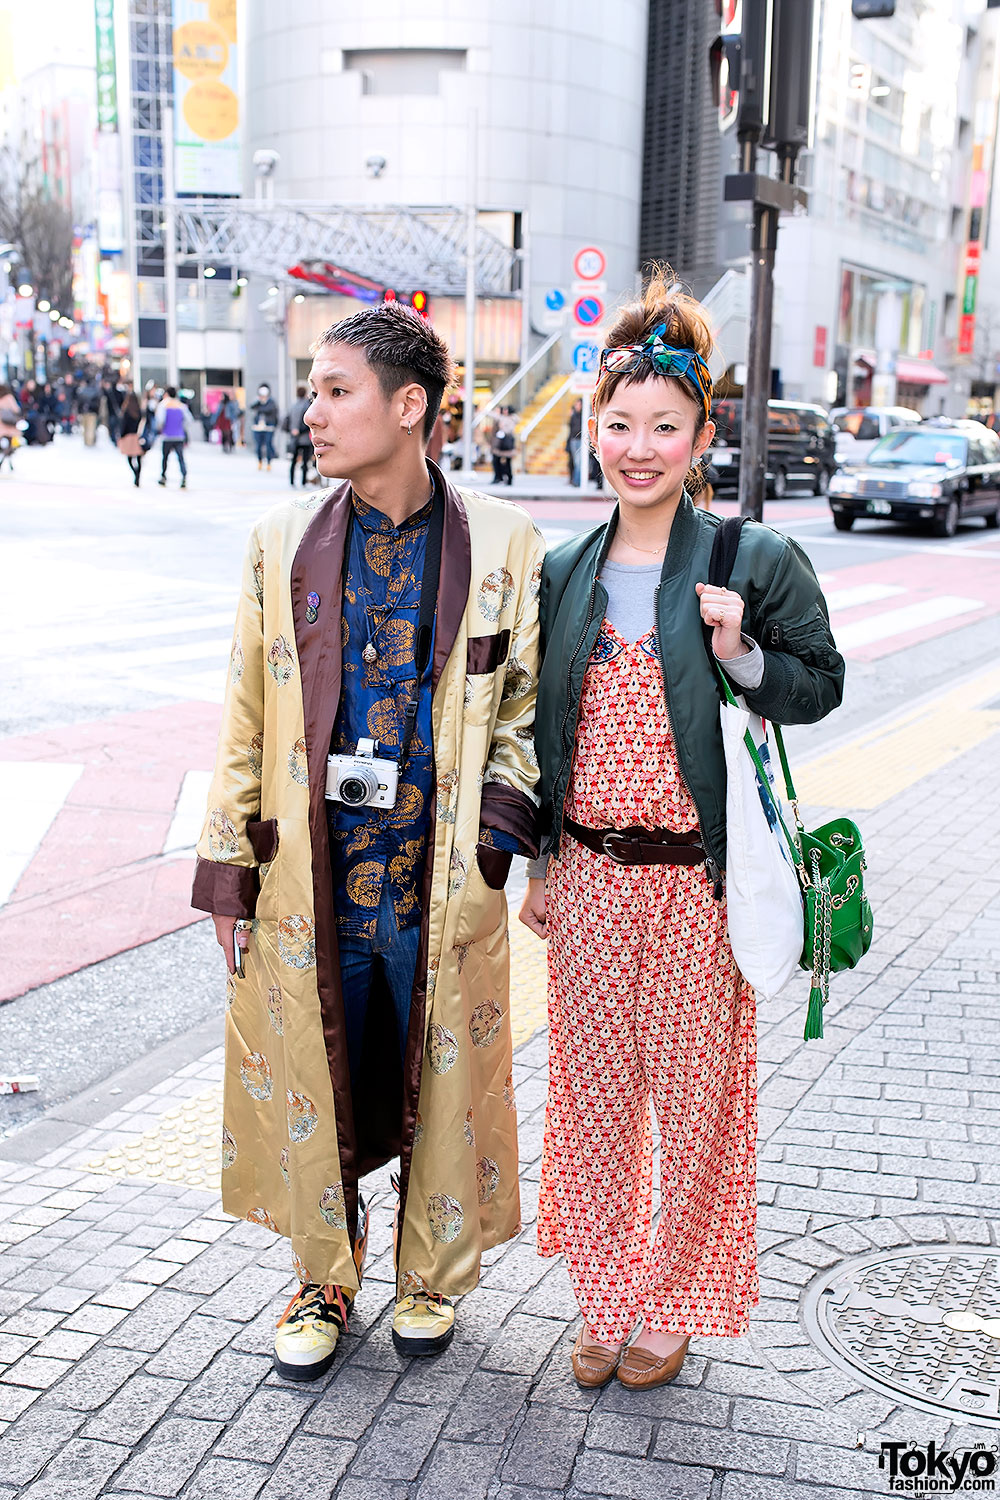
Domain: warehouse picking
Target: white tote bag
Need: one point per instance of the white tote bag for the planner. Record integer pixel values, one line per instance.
(763, 896)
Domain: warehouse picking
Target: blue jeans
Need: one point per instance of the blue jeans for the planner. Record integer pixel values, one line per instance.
(397, 952)
(264, 440)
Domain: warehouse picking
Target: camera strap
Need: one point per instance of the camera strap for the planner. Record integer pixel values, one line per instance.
(429, 583)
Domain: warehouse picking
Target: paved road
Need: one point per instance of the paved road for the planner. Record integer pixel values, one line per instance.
(121, 602)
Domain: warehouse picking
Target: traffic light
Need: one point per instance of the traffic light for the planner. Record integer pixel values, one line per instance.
(740, 65)
(418, 300)
(873, 10)
(789, 115)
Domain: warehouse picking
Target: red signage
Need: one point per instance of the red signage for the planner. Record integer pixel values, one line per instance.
(966, 333)
(973, 255)
(819, 348)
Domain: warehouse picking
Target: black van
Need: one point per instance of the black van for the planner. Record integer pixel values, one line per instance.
(801, 446)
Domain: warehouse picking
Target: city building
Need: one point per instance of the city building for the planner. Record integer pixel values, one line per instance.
(536, 115)
(869, 282)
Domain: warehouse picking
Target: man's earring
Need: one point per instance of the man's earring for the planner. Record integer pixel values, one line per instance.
(409, 430)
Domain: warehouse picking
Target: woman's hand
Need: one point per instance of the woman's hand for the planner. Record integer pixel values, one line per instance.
(532, 912)
(723, 609)
(225, 935)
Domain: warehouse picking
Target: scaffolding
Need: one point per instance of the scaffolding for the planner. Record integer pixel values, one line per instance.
(399, 246)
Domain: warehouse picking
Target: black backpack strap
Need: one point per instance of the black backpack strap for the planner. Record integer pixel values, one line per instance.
(724, 548)
(725, 544)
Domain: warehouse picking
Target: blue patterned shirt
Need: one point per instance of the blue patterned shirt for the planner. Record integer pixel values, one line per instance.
(370, 845)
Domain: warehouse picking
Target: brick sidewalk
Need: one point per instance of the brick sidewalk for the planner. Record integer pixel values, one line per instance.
(137, 1318)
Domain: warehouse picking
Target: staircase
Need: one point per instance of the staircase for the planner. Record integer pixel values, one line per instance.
(545, 452)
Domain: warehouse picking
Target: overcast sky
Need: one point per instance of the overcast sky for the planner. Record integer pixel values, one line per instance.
(44, 30)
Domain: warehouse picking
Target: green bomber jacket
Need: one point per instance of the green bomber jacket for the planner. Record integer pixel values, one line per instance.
(784, 611)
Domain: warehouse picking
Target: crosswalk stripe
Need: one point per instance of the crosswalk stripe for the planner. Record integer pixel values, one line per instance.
(862, 593)
(890, 622)
(31, 796)
(189, 813)
(75, 637)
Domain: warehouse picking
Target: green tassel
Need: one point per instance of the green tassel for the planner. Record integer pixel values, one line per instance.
(814, 1015)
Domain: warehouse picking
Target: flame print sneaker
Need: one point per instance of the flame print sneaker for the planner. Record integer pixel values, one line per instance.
(423, 1324)
(305, 1339)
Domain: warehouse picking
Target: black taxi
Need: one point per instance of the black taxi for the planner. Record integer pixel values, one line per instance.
(937, 474)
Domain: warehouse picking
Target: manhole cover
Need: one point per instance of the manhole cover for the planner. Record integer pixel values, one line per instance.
(921, 1324)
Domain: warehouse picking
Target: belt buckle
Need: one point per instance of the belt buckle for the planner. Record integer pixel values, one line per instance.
(606, 842)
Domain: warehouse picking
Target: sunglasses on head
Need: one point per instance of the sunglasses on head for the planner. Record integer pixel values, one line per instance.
(684, 364)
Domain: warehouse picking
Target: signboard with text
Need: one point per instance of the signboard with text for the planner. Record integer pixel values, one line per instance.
(107, 86)
(206, 97)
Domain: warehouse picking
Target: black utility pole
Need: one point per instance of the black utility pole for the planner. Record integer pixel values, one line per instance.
(769, 60)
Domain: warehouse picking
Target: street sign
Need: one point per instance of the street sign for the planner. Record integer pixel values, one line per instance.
(589, 263)
(582, 385)
(589, 288)
(555, 300)
(586, 358)
(588, 311)
(553, 321)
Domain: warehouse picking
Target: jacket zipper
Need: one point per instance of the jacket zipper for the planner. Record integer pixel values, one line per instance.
(711, 863)
(569, 699)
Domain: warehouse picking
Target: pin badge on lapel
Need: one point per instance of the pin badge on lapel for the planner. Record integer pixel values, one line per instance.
(312, 608)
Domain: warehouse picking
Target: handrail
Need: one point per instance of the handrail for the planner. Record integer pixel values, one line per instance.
(526, 432)
(517, 376)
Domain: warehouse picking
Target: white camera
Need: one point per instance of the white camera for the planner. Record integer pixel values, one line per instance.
(362, 780)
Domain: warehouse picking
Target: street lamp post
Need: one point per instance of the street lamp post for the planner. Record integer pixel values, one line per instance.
(469, 392)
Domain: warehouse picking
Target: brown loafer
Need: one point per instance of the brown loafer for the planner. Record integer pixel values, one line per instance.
(640, 1369)
(593, 1365)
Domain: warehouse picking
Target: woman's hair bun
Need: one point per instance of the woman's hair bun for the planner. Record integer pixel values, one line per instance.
(664, 301)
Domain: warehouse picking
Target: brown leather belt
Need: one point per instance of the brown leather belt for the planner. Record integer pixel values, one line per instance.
(639, 846)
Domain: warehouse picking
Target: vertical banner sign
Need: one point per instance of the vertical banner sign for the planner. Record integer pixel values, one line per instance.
(107, 88)
(206, 102)
(973, 248)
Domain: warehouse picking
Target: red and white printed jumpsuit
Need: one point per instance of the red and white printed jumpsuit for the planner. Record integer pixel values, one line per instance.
(645, 1001)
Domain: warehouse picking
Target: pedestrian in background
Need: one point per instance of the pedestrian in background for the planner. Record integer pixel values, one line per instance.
(299, 437)
(228, 415)
(502, 446)
(703, 492)
(110, 407)
(265, 420)
(129, 438)
(10, 415)
(645, 999)
(574, 439)
(173, 423)
(149, 404)
(89, 406)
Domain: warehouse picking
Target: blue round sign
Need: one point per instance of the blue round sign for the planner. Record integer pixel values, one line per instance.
(586, 358)
(554, 300)
(588, 311)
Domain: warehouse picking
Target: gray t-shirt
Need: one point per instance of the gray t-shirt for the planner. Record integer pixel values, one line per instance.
(631, 589)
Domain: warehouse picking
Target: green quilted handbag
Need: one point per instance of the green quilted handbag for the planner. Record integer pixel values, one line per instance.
(830, 862)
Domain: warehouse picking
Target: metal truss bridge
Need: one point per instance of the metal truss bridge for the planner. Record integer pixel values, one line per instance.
(399, 246)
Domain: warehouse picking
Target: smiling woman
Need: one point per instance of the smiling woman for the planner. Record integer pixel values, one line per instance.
(646, 1002)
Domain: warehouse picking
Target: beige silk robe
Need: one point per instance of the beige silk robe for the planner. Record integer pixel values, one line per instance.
(293, 1148)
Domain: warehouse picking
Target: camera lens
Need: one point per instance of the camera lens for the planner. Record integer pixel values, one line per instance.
(358, 788)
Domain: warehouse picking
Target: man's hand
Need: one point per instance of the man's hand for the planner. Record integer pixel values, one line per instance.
(532, 912)
(723, 609)
(225, 935)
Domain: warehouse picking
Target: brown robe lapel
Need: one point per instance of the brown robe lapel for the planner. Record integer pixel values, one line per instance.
(317, 568)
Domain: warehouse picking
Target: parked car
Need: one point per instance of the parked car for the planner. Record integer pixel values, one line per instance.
(800, 446)
(938, 473)
(858, 428)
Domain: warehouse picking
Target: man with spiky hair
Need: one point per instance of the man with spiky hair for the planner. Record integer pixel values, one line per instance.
(375, 775)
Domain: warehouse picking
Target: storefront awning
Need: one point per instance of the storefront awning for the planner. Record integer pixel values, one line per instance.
(919, 372)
